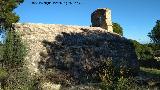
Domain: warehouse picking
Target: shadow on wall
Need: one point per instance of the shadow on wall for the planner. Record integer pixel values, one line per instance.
(151, 63)
(76, 58)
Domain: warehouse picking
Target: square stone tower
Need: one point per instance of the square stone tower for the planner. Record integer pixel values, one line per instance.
(102, 18)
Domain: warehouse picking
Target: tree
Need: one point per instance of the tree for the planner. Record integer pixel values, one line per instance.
(117, 29)
(155, 33)
(143, 51)
(7, 16)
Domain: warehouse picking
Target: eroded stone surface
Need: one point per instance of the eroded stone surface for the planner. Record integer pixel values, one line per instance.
(34, 34)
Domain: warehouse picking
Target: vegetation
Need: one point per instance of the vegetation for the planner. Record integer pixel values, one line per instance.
(14, 51)
(145, 54)
(1, 51)
(7, 16)
(155, 33)
(113, 79)
(143, 51)
(14, 76)
(117, 29)
(150, 71)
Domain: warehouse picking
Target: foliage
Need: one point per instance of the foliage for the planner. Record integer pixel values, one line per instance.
(154, 46)
(120, 84)
(115, 79)
(13, 61)
(1, 52)
(106, 71)
(14, 51)
(123, 84)
(7, 16)
(3, 74)
(18, 79)
(150, 71)
(117, 29)
(146, 54)
(143, 51)
(155, 33)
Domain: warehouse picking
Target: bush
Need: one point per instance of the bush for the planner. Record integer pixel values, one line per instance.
(115, 78)
(14, 50)
(117, 29)
(143, 51)
(106, 71)
(13, 61)
(19, 79)
(3, 74)
(124, 84)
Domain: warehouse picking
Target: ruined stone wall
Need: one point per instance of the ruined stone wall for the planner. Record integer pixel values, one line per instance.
(102, 18)
(34, 34)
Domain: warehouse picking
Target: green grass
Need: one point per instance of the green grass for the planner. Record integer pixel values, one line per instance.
(150, 71)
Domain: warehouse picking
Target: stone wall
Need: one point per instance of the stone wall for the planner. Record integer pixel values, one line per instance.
(102, 18)
(81, 48)
(33, 35)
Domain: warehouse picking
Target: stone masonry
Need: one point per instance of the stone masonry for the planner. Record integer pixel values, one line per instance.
(34, 34)
(101, 42)
(102, 18)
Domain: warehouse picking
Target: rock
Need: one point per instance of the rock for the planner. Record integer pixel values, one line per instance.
(50, 86)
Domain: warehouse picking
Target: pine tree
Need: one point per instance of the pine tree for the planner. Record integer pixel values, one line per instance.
(7, 16)
(155, 33)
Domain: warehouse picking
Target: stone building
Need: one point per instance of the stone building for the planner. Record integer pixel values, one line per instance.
(102, 18)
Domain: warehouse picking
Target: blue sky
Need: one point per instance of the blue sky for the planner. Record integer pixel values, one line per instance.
(137, 17)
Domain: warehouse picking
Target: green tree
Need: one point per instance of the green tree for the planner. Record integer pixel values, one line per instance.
(7, 16)
(155, 33)
(143, 51)
(13, 73)
(117, 29)
(14, 50)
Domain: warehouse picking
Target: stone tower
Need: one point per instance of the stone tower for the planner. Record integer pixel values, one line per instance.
(102, 18)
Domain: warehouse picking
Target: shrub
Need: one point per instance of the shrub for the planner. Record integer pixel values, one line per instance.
(117, 29)
(123, 84)
(106, 71)
(14, 54)
(14, 51)
(19, 79)
(143, 51)
(114, 78)
(3, 74)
